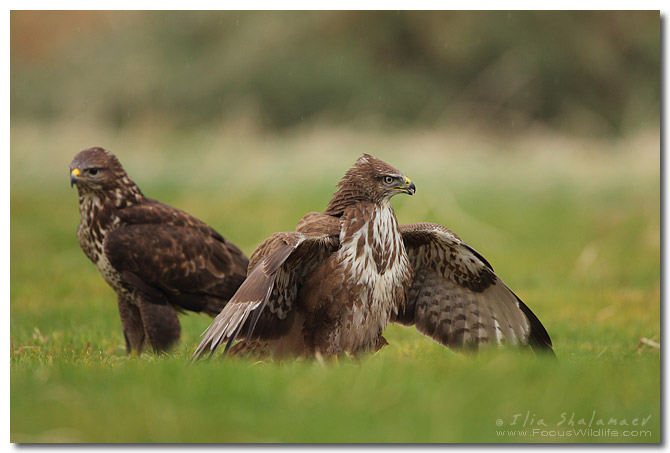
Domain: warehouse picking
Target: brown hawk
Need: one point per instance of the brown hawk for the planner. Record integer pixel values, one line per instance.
(332, 286)
(158, 259)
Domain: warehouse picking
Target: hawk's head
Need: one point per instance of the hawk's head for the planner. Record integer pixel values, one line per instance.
(370, 179)
(97, 169)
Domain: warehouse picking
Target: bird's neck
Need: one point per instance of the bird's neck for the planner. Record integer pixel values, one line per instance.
(97, 207)
(345, 197)
(120, 196)
(370, 230)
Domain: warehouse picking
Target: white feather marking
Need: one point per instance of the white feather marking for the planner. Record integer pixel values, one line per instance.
(499, 335)
(377, 301)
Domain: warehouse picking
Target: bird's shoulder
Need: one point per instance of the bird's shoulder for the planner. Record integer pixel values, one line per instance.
(153, 212)
(154, 235)
(436, 246)
(315, 223)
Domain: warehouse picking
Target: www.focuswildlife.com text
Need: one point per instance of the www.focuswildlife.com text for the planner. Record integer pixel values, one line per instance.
(586, 432)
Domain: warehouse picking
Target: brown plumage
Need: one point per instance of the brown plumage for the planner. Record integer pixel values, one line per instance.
(158, 259)
(458, 300)
(332, 286)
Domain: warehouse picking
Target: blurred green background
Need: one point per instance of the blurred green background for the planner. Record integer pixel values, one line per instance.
(533, 135)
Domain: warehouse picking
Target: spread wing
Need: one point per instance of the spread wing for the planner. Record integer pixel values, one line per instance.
(171, 257)
(457, 299)
(277, 268)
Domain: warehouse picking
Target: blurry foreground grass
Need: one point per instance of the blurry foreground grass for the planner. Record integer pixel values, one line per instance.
(571, 226)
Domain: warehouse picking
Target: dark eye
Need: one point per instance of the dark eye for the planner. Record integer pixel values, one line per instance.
(93, 171)
(388, 179)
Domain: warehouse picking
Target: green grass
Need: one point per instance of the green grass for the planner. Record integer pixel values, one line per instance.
(572, 227)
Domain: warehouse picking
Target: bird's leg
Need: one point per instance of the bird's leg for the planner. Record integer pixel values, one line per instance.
(325, 359)
(133, 330)
(319, 358)
(161, 324)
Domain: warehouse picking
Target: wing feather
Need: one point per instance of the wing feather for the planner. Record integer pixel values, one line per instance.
(270, 290)
(175, 258)
(457, 299)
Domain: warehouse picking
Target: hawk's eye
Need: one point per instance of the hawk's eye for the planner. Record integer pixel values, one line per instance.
(388, 179)
(93, 171)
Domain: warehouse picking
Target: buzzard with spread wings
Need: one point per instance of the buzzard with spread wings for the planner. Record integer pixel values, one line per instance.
(158, 259)
(332, 286)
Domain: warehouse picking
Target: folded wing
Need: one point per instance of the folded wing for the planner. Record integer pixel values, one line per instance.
(174, 258)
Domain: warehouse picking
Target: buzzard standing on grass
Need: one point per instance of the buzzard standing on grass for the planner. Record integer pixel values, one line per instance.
(332, 286)
(158, 259)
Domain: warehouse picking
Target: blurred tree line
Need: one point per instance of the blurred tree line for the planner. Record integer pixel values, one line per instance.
(578, 72)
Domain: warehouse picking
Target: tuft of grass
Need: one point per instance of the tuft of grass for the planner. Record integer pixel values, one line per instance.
(572, 228)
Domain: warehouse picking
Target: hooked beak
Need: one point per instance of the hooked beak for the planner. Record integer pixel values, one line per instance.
(74, 177)
(408, 187)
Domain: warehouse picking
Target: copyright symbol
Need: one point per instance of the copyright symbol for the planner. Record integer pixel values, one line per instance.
(499, 422)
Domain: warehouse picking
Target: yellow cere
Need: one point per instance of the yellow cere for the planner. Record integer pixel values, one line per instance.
(407, 180)
(75, 172)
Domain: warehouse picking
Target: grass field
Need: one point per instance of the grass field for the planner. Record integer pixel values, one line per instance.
(572, 225)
